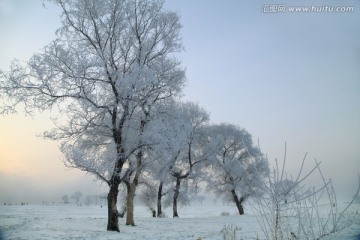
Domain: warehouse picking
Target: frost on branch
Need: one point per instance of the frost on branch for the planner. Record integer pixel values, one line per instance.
(290, 209)
(180, 147)
(112, 62)
(237, 169)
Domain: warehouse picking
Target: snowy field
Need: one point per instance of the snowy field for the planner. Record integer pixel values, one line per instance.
(198, 222)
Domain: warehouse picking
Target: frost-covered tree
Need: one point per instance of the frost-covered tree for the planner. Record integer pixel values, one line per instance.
(148, 187)
(155, 184)
(173, 147)
(166, 137)
(77, 196)
(65, 199)
(167, 141)
(238, 168)
(111, 62)
(187, 145)
(291, 208)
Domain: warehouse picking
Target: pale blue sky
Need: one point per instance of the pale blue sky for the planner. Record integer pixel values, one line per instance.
(284, 77)
(291, 77)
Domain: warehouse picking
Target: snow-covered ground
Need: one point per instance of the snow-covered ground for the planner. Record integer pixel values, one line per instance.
(199, 222)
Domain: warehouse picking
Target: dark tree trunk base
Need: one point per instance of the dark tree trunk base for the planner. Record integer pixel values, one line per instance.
(159, 196)
(113, 214)
(238, 201)
(176, 195)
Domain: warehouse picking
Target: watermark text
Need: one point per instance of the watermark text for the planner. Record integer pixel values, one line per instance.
(282, 8)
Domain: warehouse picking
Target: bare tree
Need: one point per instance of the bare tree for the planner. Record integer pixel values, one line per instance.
(111, 62)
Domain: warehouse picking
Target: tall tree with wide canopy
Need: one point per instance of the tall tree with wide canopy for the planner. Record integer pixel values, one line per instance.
(177, 146)
(188, 145)
(111, 62)
(238, 168)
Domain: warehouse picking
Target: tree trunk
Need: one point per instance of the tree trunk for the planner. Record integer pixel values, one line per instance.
(176, 195)
(277, 222)
(131, 189)
(159, 196)
(113, 222)
(238, 202)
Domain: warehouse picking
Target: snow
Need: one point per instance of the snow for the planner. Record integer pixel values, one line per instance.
(201, 221)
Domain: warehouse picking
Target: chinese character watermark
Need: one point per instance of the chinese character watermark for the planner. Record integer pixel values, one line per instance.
(273, 8)
(281, 8)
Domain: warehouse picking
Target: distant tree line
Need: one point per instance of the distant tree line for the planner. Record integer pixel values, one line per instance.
(78, 198)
